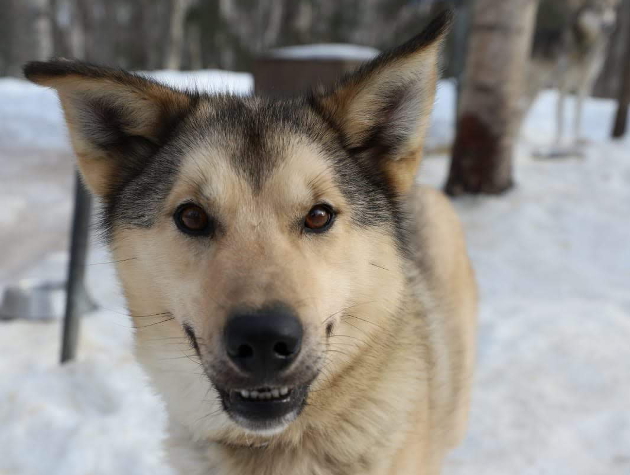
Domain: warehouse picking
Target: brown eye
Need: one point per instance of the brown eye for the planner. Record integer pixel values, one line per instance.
(319, 218)
(192, 219)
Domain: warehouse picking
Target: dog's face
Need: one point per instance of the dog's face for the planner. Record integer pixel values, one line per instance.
(597, 17)
(269, 230)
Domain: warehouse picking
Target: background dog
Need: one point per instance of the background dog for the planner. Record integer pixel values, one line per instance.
(327, 301)
(568, 53)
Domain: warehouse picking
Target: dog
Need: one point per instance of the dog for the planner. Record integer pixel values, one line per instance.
(568, 53)
(302, 306)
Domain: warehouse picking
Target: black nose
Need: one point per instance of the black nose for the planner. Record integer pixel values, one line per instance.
(263, 342)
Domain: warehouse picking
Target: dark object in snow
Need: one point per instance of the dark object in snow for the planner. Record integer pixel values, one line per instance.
(77, 301)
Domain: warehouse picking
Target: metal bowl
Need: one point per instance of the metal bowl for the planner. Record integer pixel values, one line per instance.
(33, 299)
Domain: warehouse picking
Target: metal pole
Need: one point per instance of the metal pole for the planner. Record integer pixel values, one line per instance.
(76, 296)
(623, 100)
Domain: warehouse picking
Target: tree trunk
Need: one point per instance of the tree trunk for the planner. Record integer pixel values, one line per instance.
(175, 46)
(80, 31)
(60, 40)
(153, 27)
(6, 35)
(30, 33)
(42, 16)
(273, 26)
(621, 119)
(610, 80)
(194, 47)
(225, 38)
(496, 62)
(297, 22)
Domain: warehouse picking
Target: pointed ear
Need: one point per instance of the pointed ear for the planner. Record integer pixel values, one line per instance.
(117, 120)
(383, 109)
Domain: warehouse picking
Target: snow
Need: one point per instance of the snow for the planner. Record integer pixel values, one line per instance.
(325, 51)
(81, 418)
(206, 80)
(442, 126)
(552, 388)
(30, 116)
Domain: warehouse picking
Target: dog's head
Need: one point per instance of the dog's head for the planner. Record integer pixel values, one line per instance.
(272, 231)
(596, 18)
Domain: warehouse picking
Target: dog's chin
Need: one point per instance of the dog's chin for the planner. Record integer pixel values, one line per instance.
(264, 411)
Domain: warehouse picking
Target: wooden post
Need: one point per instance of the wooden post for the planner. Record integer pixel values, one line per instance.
(292, 70)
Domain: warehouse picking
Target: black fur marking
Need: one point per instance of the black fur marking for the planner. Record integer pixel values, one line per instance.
(190, 333)
(329, 329)
(248, 126)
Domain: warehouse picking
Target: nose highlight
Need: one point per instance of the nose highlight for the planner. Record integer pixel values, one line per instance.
(263, 342)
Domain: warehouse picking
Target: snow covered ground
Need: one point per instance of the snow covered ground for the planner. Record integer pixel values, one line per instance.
(552, 392)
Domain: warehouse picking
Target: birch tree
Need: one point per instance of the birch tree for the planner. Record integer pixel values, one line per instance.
(29, 28)
(176, 25)
(487, 125)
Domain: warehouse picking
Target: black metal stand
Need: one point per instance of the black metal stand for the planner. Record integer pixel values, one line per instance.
(77, 300)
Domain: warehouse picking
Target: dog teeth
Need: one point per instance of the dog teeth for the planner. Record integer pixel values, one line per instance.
(264, 394)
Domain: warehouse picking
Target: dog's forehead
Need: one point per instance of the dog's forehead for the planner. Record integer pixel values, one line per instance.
(252, 143)
(283, 171)
(253, 135)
